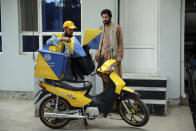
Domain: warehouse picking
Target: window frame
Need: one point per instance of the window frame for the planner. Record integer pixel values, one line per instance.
(38, 33)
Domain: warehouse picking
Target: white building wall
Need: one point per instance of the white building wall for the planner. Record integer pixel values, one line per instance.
(170, 45)
(16, 70)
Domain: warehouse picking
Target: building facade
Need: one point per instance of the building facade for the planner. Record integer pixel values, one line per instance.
(151, 30)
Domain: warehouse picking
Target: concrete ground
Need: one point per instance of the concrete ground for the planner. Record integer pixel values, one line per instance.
(18, 115)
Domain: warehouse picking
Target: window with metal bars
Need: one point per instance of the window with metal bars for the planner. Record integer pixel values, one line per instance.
(42, 18)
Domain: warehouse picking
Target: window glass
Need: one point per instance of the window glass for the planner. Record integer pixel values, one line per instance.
(45, 38)
(55, 12)
(30, 43)
(29, 15)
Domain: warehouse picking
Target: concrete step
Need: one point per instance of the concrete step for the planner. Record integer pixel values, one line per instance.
(153, 93)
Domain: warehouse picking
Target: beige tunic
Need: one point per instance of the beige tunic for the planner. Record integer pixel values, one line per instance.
(106, 44)
(106, 41)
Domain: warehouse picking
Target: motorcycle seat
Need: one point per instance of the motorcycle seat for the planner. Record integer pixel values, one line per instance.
(74, 85)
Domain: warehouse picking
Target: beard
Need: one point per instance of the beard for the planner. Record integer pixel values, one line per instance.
(107, 22)
(68, 35)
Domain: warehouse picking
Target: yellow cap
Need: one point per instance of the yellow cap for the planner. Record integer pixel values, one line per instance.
(69, 24)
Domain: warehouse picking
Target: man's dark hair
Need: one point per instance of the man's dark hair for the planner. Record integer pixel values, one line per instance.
(106, 11)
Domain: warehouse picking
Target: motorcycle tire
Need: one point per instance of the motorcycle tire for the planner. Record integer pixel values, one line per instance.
(138, 114)
(48, 105)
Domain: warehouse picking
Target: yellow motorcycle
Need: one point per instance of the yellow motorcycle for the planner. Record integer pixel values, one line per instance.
(70, 100)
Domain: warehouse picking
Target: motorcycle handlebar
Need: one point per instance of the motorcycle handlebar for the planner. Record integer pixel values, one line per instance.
(94, 73)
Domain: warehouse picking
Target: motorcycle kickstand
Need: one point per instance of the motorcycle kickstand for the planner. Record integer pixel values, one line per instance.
(85, 123)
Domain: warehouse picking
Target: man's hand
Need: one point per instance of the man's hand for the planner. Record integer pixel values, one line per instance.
(118, 60)
(97, 56)
(66, 39)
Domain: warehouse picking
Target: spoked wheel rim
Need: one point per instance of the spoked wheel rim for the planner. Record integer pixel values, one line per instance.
(49, 106)
(137, 114)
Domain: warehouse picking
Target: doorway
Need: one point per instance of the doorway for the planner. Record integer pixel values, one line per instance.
(190, 42)
(140, 25)
(190, 53)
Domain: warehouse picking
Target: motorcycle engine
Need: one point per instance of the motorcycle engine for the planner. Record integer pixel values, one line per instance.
(92, 112)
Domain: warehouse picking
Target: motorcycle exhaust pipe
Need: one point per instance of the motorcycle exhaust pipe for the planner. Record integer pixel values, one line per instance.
(61, 115)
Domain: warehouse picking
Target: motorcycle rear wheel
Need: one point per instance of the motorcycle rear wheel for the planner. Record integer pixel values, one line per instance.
(48, 105)
(138, 114)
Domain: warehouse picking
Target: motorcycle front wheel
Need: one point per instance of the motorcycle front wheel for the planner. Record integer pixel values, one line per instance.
(48, 105)
(133, 111)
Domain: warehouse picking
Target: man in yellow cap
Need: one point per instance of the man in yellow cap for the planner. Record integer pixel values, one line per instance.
(58, 39)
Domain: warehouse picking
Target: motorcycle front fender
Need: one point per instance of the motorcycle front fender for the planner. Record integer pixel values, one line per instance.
(130, 91)
(119, 83)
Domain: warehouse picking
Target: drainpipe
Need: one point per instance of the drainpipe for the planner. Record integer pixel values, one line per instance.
(118, 14)
(182, 90)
